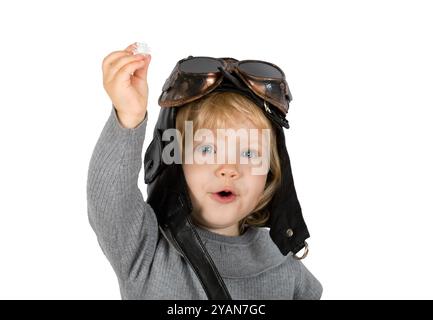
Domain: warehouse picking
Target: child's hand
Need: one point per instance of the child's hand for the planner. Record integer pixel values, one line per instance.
(125, 81)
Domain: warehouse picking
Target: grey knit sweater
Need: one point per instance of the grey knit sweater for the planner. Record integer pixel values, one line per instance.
(146, 264)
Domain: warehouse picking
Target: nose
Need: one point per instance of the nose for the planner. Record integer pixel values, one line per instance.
(227, 171)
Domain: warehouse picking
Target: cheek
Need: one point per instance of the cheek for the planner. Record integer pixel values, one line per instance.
(256, 185)
(194, 175)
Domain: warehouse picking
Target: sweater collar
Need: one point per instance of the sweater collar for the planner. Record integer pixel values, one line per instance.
(242, 256)
(249, 235)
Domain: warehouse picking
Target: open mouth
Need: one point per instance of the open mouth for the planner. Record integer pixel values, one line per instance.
(224, 196)
(225, 193)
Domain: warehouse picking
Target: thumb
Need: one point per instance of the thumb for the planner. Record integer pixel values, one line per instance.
(141, 73)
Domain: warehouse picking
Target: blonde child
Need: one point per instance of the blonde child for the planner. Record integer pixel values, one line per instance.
(201, 234)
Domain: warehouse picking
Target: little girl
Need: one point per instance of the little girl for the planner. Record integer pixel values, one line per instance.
(202, 232)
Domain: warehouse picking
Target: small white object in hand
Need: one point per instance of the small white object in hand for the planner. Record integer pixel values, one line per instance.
(142, 48)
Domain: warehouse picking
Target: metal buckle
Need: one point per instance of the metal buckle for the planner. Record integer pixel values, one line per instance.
(305, 252)
(266, 107)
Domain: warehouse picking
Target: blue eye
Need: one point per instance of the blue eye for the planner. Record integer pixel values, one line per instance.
(250, 153)
(206, 149)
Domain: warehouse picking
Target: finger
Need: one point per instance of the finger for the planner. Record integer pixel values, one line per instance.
(119, 63)
(124, 73)
(141, 73)
(131, 47)
(116, 55)
(108, 60)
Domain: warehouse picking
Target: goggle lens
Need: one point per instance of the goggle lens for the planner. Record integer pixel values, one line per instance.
(260, 69)
(200, 65)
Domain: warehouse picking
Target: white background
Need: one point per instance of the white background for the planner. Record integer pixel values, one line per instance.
(361, 74)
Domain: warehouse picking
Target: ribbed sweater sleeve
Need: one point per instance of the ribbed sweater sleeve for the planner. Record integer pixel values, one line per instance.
(125, 225)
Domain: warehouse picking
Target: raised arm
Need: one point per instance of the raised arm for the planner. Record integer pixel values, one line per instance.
(125, 225)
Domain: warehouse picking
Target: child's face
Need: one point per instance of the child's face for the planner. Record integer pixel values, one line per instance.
(213, 165)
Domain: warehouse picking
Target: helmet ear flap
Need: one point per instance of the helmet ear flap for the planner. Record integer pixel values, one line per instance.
(152, 158)
(287, 226)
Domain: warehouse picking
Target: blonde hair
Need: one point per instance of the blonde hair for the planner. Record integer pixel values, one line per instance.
(215, 111)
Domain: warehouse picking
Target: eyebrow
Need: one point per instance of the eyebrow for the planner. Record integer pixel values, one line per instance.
(254, 144)
(251, 138)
